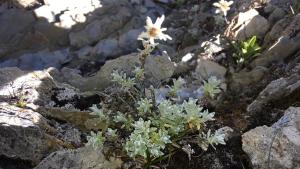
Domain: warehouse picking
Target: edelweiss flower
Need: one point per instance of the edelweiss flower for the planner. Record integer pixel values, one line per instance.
(223, 6)
(154, 31)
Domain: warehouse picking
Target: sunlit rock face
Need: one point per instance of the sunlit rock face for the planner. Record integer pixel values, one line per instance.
(74, 11)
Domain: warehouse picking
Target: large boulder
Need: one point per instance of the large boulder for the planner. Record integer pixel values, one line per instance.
(25, 134)
(278, 146)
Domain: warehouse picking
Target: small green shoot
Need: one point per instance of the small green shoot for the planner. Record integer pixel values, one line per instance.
(246, 50)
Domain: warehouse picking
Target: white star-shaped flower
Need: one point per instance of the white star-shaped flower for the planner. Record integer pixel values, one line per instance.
(154, 31)
(223, 6)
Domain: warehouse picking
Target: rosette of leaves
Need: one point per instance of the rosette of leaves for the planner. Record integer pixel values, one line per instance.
(194, 117)
(211, 86)
(177, 85)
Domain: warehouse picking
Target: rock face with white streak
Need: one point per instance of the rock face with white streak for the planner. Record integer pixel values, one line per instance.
(278, 146)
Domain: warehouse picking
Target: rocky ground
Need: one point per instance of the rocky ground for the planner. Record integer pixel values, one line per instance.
(56, 58)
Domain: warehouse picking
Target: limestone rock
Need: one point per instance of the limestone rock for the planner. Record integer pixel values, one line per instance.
(23, 134)
(281, 140)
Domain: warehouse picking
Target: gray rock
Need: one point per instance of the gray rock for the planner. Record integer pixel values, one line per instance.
(159, 67)
(276, 32)
(14, 23)
(215, 45)
(245, 78)
(128, 41)
(102, 78)
(250, 24)
(73, 77)
(276, 15)
(83, 158)
(289, 39)
(40, 60)
(81, 119)
(105, 49)
(24, 134)
(33, 87)
(84, 53)
(207, 68)
(156, 68)
(276, 90)
(281, 140)
(101, 28)
(55, 36)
